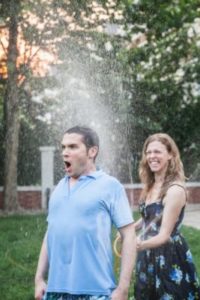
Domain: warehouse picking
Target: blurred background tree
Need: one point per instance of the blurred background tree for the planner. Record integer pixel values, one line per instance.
(162, 59)
(127, 68)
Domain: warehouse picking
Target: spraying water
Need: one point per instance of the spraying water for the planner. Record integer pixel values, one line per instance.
(87, 90)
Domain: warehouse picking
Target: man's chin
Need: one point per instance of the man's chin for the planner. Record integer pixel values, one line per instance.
(72, 175)
(68, 171)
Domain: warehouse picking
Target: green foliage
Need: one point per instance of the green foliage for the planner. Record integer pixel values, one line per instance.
(47, 26)
(150, 87)
(165, 71)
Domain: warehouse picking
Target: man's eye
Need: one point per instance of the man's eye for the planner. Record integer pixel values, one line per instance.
(73, 146)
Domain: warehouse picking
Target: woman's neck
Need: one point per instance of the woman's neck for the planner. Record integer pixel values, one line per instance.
(159, 180)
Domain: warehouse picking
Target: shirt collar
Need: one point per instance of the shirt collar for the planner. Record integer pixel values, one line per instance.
(93, 175)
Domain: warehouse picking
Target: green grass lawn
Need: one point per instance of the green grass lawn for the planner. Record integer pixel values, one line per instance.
(20, 242)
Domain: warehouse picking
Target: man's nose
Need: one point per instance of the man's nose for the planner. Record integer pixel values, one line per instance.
(65, 152)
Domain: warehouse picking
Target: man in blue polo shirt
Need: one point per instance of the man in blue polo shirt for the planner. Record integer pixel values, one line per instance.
(77, 248)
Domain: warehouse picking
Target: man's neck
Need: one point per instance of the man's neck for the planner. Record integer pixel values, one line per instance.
(73, 179)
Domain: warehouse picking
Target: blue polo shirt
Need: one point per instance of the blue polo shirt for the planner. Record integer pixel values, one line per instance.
(79, 234)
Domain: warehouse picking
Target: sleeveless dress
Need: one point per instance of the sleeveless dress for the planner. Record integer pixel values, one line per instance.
(166, 272)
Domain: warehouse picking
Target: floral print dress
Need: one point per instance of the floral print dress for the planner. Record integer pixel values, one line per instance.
(166, 272)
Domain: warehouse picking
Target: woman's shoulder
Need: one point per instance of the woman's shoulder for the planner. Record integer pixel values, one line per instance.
(177, 186)
(177, 190)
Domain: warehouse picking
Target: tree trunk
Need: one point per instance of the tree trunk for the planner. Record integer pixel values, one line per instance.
(11, 106)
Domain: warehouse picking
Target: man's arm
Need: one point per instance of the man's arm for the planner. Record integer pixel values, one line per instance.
(128, 256)
(40, 284)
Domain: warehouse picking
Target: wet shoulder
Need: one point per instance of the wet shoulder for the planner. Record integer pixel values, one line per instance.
(110, 180)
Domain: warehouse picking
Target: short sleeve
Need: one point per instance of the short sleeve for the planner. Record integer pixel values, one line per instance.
(121, 213)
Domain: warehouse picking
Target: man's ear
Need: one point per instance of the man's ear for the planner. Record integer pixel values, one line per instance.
(92, 153)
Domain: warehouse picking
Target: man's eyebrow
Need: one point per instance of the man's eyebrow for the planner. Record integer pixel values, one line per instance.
(68, 145)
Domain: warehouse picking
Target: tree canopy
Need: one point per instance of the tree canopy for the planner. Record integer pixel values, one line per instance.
(127, 68)
(162, 56)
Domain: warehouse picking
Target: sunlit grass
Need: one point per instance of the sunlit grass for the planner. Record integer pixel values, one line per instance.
(20, 242)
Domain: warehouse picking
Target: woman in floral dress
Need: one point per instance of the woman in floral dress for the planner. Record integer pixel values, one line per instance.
(164, 268)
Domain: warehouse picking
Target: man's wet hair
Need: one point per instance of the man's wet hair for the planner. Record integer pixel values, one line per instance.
(90, 137)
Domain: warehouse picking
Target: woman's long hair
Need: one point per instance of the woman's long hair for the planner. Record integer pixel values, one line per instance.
(174, 172)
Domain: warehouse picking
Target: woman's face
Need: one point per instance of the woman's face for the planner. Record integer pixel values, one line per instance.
(157, 157)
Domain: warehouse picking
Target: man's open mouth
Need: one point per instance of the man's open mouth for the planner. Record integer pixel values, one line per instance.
(67, 164)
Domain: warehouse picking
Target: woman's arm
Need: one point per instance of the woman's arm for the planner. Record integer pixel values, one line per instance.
(173, 202)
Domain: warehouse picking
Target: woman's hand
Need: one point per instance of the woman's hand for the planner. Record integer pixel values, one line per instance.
(139, 244)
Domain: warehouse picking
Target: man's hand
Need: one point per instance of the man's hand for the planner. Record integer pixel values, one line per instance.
(40, 288)
(40, 284)
(119, 294)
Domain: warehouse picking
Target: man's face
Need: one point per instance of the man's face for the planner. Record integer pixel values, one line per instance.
(76, 157)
